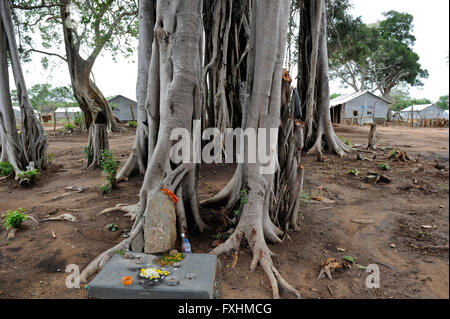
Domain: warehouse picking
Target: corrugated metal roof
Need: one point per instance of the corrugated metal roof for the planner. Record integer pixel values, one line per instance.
(16, 108)
(417, 108)
(342, 99)
(74, 109)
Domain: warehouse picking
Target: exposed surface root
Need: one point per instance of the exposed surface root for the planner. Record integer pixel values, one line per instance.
(99, 262)
(129, 210)
(261, 255)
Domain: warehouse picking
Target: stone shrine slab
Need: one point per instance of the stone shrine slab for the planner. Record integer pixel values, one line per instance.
(196, 277)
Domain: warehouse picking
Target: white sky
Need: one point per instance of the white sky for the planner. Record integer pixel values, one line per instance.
(431, 28)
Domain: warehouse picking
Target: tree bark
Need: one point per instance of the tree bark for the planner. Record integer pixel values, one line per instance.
(90, 99)
(140, 153)
(313, 80)
(31, 145)
(173, 101)
(264, 80)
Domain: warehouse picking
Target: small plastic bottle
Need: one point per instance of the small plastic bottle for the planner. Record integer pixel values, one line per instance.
(186, 247)
(182, 242)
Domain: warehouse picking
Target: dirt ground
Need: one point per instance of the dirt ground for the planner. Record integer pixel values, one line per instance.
(413, 260)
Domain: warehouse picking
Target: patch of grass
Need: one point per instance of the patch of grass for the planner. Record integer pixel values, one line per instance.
(69, 127)
(384, 167)
(120, 252)
(14, 218)
(346, 142)
(50, 158)
(132, 124)
(6, 168)
(31, 175)
(104, 188)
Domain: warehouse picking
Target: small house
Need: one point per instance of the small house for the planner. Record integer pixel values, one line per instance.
(67, 113)
(359, 108)
(123, 108)
(423, 112)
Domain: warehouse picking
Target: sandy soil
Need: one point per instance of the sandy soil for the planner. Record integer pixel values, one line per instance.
(413, 261)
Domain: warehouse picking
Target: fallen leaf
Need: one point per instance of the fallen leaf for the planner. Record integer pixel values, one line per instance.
(426, 226)
(393, 245)
(341, 249)
(349, 258)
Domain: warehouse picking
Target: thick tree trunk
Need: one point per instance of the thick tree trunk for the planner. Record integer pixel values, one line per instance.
(227, 33)
(313, 81)
(264, 80)
(173, 101)
(90, 99)
(140, 152)
(31, 145)
(372, 144)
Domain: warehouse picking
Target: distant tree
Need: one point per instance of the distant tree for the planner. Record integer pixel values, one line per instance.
(400, 99)
(334, 95)
(99, 25)
(372, 57)
(443, 102)
(421, 101)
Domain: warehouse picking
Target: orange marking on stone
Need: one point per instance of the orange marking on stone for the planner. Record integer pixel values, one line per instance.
(170, 194)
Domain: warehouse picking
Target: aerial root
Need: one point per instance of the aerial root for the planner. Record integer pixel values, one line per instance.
(262, 255)
(129, 210)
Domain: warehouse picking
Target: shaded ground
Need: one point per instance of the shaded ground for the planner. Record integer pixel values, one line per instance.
(413, 260)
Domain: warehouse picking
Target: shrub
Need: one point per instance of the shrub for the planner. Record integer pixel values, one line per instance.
(109, 165)
(132, 124)
(30, 175)
(78, 119)
(50, 158)
(105, 188)
(69, 127)
(384, 167)
(87, 152)
(13, 219)
(6, 168)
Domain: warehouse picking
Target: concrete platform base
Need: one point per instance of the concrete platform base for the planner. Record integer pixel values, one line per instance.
(196, 278)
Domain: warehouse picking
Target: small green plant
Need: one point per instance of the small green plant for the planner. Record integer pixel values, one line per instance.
(222, 236)
(393, 153)
(354, 172)
(109, 165)
(78, 119)
(69, 127)
(132, 124)
(87, 152)
(14, 218)
(50, 158)
(384, 167)
(346, 142)
(104, 188)
(6, 168)
(120, 252)
(30, 175)
(244, 196)
(112, 227)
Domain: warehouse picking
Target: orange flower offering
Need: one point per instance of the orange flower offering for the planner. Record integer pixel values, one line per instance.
(170, 194)
(127, 280)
